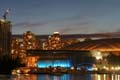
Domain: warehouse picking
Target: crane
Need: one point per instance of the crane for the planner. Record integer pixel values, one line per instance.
(6, 13)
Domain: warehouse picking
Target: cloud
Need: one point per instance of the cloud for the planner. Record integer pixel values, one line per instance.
(52, 21)
(65, 30)
(29, 24)
(63, 25)
(59, 22)
(75, 27)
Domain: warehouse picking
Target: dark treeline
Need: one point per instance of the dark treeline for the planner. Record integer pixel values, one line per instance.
(113, 59)
(7, 64)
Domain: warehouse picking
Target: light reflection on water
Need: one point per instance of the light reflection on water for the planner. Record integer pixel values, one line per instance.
(67, 77)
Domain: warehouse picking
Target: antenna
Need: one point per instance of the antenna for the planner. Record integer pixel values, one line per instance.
(6, 13)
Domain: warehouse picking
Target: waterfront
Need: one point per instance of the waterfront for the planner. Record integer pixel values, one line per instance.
(61, 77)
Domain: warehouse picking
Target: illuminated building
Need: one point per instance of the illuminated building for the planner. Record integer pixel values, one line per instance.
(54, 42)
(19, 48)
(15, 47)
(54, 63)
(31, 61)
(61, 58)
(42, 60)
(29, 42)
(5, 37)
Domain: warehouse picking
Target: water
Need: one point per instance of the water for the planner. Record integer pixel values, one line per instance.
(62, 77)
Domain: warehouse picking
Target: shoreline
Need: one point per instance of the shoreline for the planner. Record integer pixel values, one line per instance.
(59, 72)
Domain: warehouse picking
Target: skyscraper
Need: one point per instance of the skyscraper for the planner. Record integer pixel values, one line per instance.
(5, 37)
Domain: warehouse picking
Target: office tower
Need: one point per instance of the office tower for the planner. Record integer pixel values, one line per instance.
(5, 37)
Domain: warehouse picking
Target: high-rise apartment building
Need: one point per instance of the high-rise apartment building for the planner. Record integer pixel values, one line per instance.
(54, 42)
(5, 37)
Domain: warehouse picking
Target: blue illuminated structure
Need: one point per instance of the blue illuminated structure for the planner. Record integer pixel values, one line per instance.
(88, 66)
(54, 63)
(63, 58)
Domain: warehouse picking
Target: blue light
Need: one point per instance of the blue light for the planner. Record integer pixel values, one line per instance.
(87, 66)
(90, 68)
(54, 63)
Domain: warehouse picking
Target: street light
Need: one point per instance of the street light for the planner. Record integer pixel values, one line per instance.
(98, 55)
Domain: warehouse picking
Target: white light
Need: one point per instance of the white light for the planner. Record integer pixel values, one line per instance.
(106, 68)
(30, 36)
(2, 20)
(56, 33)
(98, 55)
(18, 71)
(98, 77)
(112, 68)
(72, 68)
(95, 69)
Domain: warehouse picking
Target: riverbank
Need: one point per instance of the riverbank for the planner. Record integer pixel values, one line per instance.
(58, 71)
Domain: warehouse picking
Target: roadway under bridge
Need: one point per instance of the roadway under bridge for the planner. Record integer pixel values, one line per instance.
(59, 54)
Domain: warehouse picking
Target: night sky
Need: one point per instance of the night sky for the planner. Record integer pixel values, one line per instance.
(64, 16)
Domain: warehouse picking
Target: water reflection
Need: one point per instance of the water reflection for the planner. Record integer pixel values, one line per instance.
(106, 77)
(67, 77)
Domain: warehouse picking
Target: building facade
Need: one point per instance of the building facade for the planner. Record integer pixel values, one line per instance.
(5, 37)
(53, 42)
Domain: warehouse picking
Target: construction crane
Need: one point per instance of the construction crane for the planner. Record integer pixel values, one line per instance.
(6, 13)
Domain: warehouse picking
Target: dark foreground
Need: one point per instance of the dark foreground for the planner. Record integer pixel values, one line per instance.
(61, 77)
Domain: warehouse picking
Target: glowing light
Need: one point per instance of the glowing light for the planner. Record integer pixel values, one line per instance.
(95, 69)
(106, 68)
(18, 71)
(118, 77)
(30, 36)
(90, 68)
(98, 55)
(2, 20)
(72, 68)
(104, 77)
(112, 77)
(98, 77)
(112, 68)
(54, 63)
(55, 32)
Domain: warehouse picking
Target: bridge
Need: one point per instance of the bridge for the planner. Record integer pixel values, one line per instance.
(68, 36)
(63, 58)
(58, 52)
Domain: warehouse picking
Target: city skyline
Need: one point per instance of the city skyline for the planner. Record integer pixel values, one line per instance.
(64, 16)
